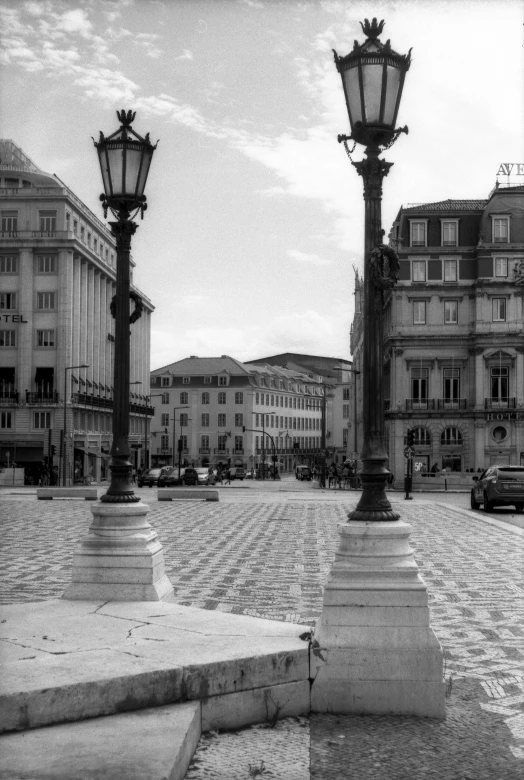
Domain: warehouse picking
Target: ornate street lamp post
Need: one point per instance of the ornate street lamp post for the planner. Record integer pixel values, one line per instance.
(121, 558)
(373, 78)
(374, 649)
(124, 159)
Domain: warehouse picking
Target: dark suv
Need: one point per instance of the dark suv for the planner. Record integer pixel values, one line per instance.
(189, 477)
(499, 486)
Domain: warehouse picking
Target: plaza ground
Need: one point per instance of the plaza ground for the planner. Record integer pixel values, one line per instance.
(265, 550)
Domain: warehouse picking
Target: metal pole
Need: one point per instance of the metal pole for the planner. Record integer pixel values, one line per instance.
(374, 505)
(174, 440)
(323, 439)
(121, 487)
(64, 452)
(263, 446)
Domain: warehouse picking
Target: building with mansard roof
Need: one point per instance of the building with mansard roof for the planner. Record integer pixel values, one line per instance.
(454, 333)
(225, 412)
(57, 280)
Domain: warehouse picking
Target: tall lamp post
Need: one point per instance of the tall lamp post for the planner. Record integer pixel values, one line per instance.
(146, 451)
(174, 434)
(376, 651)
(121, 558)
(124, 159)
(64, 447)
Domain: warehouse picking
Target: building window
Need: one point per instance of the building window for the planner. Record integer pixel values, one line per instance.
(186, 380)
(421, 437)
(450, 312)
(184, 418)
(450, 270)
(45, 300)
(239, 420)
(345, 433)
(47, 221)
(8, 264)
(7, 301)
(499, 433)
(204, 442)
(221, 420)
(419, 312)
(222, 380)
(7, 338)
(9, 223)
(165, 398)
(500, 230)
(451, 437)
(449, 232)
(345, 410)
(184, 397)
(68, 221)
(45, 338)
(207, 380)
(46, 264)
(418, 271)
(221, 398)
(164, 442)
(239, 444)
(500, 384)
(75, 227)
(257, 396)
(499, 309)
(205, 398)
(222, 443)
(82, 233)
(165, 381)
(501, 266)
(418, 233)
(6, 420)
(205, 421)
(42, 420)
(239, 398)
(419, 388)
(451, 386)
(164, 420)
(262, 396)
(89, 239)
(345, 395)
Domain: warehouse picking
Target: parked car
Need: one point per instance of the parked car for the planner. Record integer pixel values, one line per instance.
(499, 486)
(205, 477)
(250, 474)
(236, 472)
(169, 477)
(149, 477)
(303, 472)
(189, 477)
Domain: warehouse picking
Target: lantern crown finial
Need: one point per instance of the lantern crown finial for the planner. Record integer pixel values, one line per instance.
(126, 118)
(374, 29)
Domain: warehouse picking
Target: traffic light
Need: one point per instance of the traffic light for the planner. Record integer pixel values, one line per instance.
(411, 437)
(53, 449)
(243, 429)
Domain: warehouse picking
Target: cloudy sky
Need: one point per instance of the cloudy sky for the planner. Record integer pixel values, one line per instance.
(255, 218)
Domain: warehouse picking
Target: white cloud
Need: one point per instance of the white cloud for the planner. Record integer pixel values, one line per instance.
(302, 257)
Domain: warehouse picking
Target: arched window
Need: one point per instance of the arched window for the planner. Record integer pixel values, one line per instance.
(451, 436)
(421, 437)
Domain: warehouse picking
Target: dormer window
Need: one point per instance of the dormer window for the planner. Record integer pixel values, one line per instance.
(500, 229)
(418, 232)
(165, 381)
(186, 380)
(449, 228)
(223, 381)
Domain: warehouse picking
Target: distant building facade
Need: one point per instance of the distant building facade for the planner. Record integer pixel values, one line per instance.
(57, 280)
(454, 334)
(206, 403)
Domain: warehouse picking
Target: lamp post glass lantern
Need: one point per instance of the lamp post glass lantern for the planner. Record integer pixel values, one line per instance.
(125, 158)
(373, 79)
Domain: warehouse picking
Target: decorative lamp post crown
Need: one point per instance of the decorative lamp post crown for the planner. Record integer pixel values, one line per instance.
(125, 158)
(373, 78)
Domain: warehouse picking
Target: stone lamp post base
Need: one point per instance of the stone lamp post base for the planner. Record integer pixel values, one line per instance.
(374, 651)
(121, 558)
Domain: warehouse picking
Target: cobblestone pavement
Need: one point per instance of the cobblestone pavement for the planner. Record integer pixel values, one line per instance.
(266, 552)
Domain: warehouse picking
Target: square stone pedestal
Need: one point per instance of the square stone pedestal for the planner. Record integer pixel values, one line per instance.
(121, 558)
(374, 651)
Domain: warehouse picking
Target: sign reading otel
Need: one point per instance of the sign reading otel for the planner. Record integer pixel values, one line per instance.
(14, 318)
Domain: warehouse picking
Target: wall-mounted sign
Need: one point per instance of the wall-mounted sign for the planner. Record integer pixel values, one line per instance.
(504, 415)
(13, 317)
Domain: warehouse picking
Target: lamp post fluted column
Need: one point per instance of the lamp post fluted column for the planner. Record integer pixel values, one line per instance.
(374, 503)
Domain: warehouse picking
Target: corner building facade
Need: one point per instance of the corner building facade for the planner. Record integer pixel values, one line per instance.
(454, 340)
(57, 280)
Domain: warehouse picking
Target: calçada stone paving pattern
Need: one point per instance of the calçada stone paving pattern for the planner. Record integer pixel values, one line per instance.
(269, 556)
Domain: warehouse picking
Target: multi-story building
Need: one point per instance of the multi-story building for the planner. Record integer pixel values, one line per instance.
(454, 333)
(232, 413)
(57, 281)
(336, 376)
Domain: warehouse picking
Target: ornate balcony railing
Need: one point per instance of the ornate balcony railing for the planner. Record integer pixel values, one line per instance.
(100, 402)
(452, 403)
(221, 450)
(413, 405)
(204, 450)
(238, 451)
(42, 398)
(9, 397)
(500, 403)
